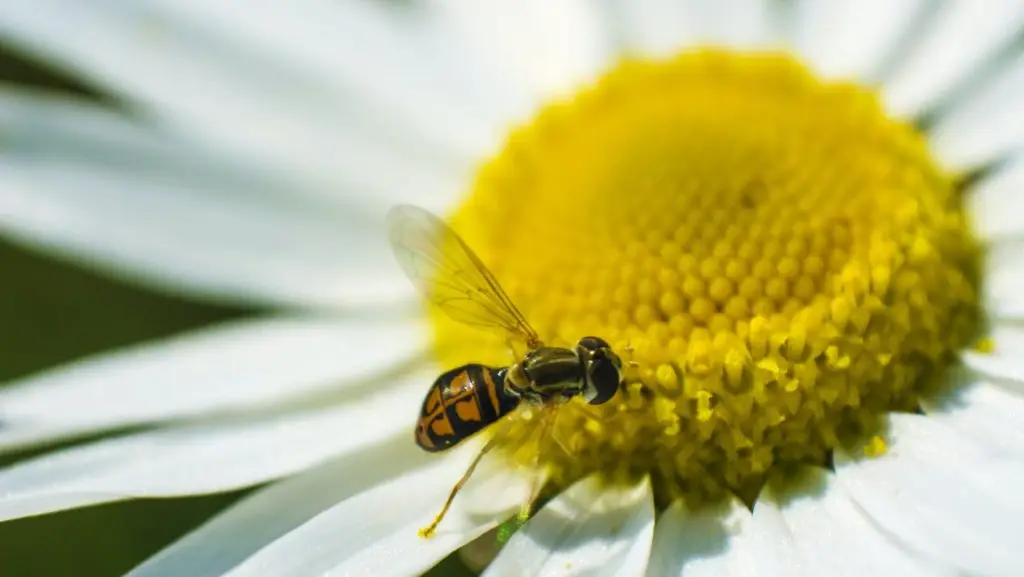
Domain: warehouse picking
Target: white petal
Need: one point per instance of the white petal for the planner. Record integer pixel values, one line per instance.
(827, 534)
(1003, 271)
(203, 458)
(375, 533)
(1002, 366)
(200, 79)
(548, 48)
(713, 542)
(773, 544)
(43, 129)
(245, 364)
(736, 23)
(663, 27)
(1007, 340)
(86, 184)
(983, 127)
(996, 205)
(940, 495)
(268, 514)
(587, 530)
(956, 42)
(359, 47)
(990, 414)
(852, 38)
(651, 27)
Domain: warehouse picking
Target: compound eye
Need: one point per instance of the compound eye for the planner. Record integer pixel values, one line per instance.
(593, 343)
(603, 379)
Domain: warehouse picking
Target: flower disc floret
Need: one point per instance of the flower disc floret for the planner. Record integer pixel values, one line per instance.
(782, 262)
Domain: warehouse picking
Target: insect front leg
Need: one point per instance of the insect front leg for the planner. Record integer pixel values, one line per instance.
(516, 349)
(629, 351)
(544, 431)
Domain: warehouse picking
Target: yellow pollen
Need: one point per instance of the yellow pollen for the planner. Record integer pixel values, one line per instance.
(875, 447)
(782, 261)
(985, 346)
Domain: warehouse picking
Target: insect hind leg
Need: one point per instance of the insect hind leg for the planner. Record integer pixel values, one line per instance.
(428, 531)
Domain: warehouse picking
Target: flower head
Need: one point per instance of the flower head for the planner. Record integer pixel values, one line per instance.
(779, 225)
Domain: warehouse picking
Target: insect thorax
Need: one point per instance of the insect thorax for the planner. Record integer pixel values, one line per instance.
(547, 373)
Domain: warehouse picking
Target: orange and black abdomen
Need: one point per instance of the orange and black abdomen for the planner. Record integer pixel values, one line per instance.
(462, 402)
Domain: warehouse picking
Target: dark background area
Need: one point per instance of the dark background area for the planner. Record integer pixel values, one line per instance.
(53, 312)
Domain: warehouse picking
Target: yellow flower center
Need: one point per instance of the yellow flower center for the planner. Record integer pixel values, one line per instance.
(781, 261)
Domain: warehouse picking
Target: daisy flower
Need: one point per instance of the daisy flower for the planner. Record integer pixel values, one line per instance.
(777, 210)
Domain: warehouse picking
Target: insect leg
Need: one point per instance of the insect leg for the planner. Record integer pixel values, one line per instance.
(629, 350)
(515, 349)
(549, 430)
(538, 481)
(428, 532)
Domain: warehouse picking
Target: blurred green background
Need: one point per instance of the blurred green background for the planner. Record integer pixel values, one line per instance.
(51, 313)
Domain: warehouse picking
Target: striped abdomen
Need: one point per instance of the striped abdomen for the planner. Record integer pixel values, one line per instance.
(461, 403)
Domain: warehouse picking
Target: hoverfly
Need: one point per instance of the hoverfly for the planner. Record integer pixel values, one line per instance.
(467, 399)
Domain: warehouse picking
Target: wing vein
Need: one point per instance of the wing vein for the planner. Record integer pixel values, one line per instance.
(452, 277)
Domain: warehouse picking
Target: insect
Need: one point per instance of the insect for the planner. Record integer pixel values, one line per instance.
(467, 399)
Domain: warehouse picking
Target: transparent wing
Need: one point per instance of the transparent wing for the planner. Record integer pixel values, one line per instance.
(450, 275)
